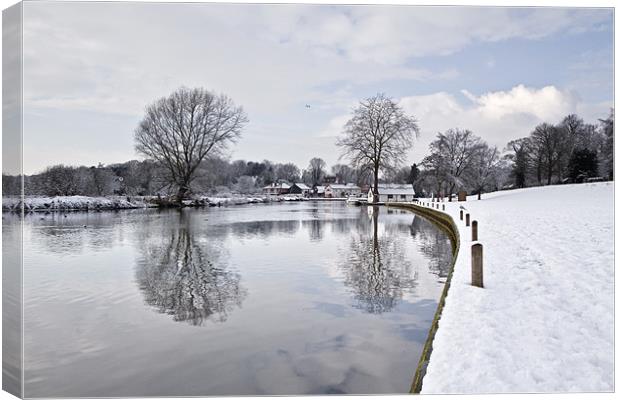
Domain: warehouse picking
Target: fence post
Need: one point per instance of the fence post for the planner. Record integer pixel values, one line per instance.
(474, 231)
(443, 207)
(476, 265)
(467, 219)
(461, 215)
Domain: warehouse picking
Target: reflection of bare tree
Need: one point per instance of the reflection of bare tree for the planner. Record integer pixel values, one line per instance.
(314, 225)
(186, 280)
(434, 244)
(263, 229)
(377, 270)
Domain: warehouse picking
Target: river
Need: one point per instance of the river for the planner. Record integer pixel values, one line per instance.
(288, 298)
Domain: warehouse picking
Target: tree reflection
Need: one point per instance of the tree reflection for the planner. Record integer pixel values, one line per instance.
(434, 244)
(377, 270)
(263, 229)
(187, 280)
(314, 225)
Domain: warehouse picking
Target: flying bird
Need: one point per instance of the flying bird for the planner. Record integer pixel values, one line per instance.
(463, 208)
(307, 105)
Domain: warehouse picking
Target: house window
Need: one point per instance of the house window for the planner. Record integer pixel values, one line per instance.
(403, 197)
(390, 196)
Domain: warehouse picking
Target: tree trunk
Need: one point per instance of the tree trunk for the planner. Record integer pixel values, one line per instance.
(181, 193)
(375, 189)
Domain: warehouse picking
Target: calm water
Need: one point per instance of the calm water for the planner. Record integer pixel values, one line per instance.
(290, 298)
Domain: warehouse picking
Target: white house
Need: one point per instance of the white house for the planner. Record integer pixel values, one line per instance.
(393, 193)
(336, 190)
(319, 191)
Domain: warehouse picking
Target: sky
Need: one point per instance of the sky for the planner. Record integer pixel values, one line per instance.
(90, 69)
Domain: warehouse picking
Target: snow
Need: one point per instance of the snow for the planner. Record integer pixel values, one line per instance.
(544, 322)
(41, 203)
(37, 203)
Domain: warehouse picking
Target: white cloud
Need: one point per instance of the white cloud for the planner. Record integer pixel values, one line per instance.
(262, 55)
(108, 60)
(392, 34)
(498, 116)
(547, 103)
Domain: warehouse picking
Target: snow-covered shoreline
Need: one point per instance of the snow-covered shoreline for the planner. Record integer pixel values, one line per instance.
(68, 203)
(86, 203)
(544, 320)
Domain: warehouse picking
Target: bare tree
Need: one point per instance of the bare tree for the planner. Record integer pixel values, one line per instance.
(181, 130)
(316, 171)
(288, 172)
(103, 180)
(451, 155)
(344, 173)
(484, 164)
(520, 157)
(379, 134)
(58, 180)
(246, 185)
(548, 142)
(607, 147)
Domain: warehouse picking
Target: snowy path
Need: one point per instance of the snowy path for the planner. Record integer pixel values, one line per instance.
(544, 321)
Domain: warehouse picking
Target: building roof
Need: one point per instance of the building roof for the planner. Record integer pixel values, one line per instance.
(395, 189)
(302, 186)
(278, 185)
(389, 191)
(320, 189)
(348, 186)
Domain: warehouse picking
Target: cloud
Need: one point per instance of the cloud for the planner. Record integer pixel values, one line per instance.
(262, 55)
(497, 117)
(393, 34)
(272, 59)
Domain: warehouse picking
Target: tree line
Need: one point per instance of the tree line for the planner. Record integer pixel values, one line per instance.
(149, 178)
(571, 151)
(184, 137)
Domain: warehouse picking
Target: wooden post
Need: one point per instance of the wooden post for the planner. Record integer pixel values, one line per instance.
(476, 265)
(474, 231)
(467, 219)
(461, 215)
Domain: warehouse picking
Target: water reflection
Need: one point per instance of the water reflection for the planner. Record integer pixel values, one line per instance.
(434, 244)
(187, 278)
(377, 269)
(317, 297)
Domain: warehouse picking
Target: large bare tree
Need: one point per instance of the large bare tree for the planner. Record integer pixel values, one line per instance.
(548, 141)
(181, 130)
(451, 155)
(315, 171)
(378, 136)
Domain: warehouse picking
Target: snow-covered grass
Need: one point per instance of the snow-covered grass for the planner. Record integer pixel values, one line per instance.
(41, 203)
(37, 203)
(544, 322)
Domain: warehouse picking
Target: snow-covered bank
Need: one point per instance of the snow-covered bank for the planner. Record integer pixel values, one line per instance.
(86, 203)
(241, 199)
(544, 321)
(66, 203)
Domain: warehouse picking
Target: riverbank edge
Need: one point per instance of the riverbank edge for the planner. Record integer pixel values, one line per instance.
(91, 205)
(446, 223)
